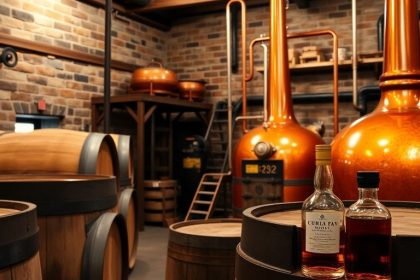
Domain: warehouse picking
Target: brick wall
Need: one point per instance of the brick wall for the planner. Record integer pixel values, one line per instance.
(67, 86)
(197, 50)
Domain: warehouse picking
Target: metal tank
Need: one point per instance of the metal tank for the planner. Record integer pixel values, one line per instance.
(275, 161)
(388, 140)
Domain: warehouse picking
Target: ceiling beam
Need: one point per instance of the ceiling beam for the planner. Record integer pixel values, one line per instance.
(158, 5)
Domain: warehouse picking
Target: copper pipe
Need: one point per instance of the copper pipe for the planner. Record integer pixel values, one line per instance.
(354, 60)
(401, 66)
(265, 48)
(335, 64)
(243, 53)
(251, 56)
(280, 99)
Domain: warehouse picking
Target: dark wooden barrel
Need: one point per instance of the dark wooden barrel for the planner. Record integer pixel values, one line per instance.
(68, 205)
(159, 200)
(202, 249)
(46, 151)
(128, 208)
(270, 244)
(105, 253)
(19, 257)
(125, 159)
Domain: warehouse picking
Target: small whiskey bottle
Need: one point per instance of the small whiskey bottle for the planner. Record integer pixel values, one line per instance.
(323, 224)
(368, 233)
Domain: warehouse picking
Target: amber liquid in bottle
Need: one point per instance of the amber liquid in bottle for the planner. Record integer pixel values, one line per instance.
(326, 264)
(323, 224)
(368, 246)
(368, 233)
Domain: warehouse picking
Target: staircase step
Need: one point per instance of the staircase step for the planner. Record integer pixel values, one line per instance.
(198, 212)
(209, 183)
(206, 193)
(203, 202)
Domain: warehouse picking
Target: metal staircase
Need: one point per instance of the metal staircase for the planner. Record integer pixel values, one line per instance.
(203, 203)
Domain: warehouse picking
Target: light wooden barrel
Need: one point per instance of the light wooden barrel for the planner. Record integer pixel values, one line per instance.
(68, 206)
(128, 208)
(105, 253)
(19, 257)
(46, 151)
(277, 254)
(159, 200)
(125, 159)
(202, 249)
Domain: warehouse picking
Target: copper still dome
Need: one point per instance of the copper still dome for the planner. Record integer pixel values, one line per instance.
(281, 140)
(388, 139)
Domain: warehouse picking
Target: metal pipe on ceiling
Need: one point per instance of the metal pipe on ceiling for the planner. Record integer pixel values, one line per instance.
(107, 67)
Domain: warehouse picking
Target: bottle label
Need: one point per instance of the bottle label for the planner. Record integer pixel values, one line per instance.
(322, 233)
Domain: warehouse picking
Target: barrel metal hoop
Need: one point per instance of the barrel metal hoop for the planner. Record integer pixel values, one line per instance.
(19, 250)
(64, 196)
(123, 158)
(95, 246)
(89, 154)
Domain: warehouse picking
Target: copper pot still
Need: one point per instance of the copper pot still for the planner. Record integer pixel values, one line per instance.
(281, 139)
(192, 90)
(388, 140)
(154, 79)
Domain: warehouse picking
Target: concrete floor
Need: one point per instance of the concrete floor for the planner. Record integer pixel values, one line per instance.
(151, 254)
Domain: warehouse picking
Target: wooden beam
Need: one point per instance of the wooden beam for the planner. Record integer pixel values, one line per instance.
(129, 14)
(156, 5)
(46, 49)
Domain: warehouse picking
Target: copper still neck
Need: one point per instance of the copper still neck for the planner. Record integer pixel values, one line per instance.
(280, 98)
(400, 81)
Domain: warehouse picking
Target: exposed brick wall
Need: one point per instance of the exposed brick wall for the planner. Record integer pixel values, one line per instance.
(67, 86)
(197, 50)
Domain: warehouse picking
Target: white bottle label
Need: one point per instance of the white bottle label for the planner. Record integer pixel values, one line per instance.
(323, 232)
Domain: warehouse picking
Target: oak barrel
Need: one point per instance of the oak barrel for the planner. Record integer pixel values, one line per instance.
(202, 249)
(105, 254)
(19, 257)
(159, 200)
(45, 151)
(128, 208)
(277, 254)
(68, 206)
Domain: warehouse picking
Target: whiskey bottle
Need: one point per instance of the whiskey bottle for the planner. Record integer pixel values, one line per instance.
(368, 232)
(323, 224)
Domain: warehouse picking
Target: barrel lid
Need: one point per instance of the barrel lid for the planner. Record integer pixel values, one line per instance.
(221, 233)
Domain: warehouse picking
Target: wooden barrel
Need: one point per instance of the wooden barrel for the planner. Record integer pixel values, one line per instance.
(202, 249)
(47, 151)
(277, 255)
(19, 257)
(105, 253)
(125, 159)
(159, 200)
(68, 205)
(128, 208)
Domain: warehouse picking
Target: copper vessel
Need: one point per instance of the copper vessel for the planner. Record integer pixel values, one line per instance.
(154, 79)
(192, 90)
(281, 140)
(388, 140)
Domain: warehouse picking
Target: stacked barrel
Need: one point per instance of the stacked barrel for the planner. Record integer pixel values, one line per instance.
(86, 208)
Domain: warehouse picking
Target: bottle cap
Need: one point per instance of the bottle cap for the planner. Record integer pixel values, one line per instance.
(323, 154)
(368, 179)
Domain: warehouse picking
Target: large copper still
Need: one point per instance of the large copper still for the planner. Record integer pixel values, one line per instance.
(388, 140)
(275, 161)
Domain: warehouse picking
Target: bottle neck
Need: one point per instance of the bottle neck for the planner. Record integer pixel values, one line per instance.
(323, 180)
(368, 193)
